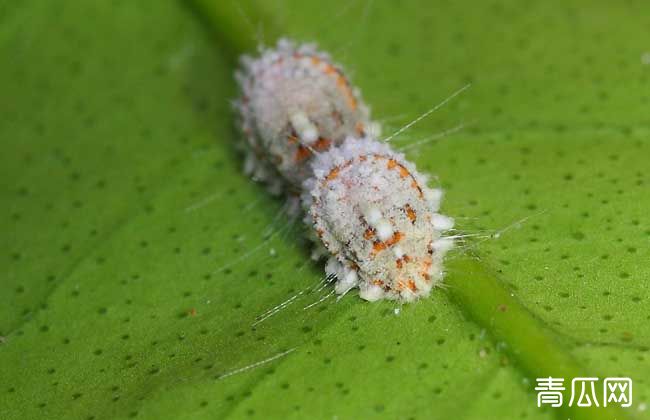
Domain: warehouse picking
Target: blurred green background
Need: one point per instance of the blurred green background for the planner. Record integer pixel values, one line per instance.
(136, 255)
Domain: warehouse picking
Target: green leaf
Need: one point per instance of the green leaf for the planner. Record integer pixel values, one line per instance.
(137, 258)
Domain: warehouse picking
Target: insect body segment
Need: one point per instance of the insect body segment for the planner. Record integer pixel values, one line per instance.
(378, 220)
(367, 208)
(295, 102)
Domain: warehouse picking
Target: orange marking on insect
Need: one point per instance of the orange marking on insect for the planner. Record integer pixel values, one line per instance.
(292, 139)
(410, 213)
(397, 236)
(392, 163)
(344, 86)
(369, 233)
(334, 173)
(378, 246)
(330, 69)
(399, 286)
(322, 144)
(401, 261)
(426, 266)
(411, 285)
(302, 153)
(378, 282)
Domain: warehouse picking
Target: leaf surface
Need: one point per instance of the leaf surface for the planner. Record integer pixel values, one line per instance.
(137, 256)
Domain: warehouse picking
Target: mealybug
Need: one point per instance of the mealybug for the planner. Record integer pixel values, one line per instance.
(378, 220)
(295, 103)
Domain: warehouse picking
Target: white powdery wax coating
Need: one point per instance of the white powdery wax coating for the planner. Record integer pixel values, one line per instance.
(384, 230)
(295, 102)
(441, 222)
(375, 215)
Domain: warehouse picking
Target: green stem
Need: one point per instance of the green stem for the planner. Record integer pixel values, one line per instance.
(239, 25)
(537, 350)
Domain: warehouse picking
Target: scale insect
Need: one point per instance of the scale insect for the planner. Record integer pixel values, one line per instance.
(367, 209)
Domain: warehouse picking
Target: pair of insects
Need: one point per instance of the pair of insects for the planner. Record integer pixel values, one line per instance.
(367, 208)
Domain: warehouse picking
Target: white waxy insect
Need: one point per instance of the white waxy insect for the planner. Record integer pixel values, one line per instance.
(378, 219)
(295, 102)
(366, 207)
